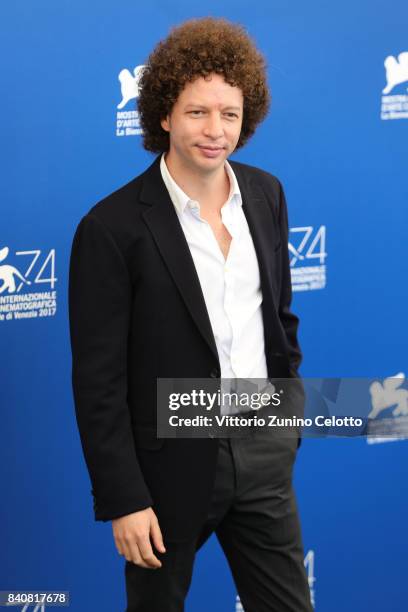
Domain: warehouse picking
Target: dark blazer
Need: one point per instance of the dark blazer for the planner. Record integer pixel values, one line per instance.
(137, 313)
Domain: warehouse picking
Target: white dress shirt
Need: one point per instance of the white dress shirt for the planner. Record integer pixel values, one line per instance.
(231, 287)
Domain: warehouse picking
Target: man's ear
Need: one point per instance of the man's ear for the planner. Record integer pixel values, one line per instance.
(165, 123)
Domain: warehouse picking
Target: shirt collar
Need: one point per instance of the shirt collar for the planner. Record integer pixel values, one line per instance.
(180, 199)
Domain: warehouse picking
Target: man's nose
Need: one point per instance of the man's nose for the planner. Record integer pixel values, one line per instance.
(213, 127)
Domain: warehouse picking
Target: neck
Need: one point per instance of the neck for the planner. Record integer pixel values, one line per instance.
(210, 189)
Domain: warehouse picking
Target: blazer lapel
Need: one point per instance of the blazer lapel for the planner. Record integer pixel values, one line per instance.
(162, 221)
(264, 228)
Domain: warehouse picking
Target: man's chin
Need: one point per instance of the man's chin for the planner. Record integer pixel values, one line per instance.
(211, 163)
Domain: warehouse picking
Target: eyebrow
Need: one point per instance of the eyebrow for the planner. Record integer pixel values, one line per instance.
(236, 108)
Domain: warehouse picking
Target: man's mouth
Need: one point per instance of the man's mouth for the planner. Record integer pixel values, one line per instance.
(210, 151)
(210, 147)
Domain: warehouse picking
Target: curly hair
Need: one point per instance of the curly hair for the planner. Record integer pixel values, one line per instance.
(194, 49)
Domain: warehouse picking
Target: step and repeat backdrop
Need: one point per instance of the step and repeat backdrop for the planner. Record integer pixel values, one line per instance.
(337, 138)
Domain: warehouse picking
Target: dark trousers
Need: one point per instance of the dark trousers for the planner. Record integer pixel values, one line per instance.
(253, 513)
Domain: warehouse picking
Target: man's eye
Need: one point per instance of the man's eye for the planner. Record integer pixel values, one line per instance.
(196, 112)
(232, 115)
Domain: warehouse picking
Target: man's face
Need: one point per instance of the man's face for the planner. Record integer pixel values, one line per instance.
(204, 124)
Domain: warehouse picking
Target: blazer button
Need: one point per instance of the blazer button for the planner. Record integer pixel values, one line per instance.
(215, 373)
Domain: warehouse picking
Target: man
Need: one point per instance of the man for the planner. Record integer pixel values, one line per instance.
(183, 273)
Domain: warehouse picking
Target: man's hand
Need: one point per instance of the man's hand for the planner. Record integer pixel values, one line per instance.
(132, 535)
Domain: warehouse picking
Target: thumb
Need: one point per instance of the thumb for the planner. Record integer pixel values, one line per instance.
(156, 535)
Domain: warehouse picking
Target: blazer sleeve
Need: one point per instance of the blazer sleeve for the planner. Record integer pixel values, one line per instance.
(289, 320)
(99, 315)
